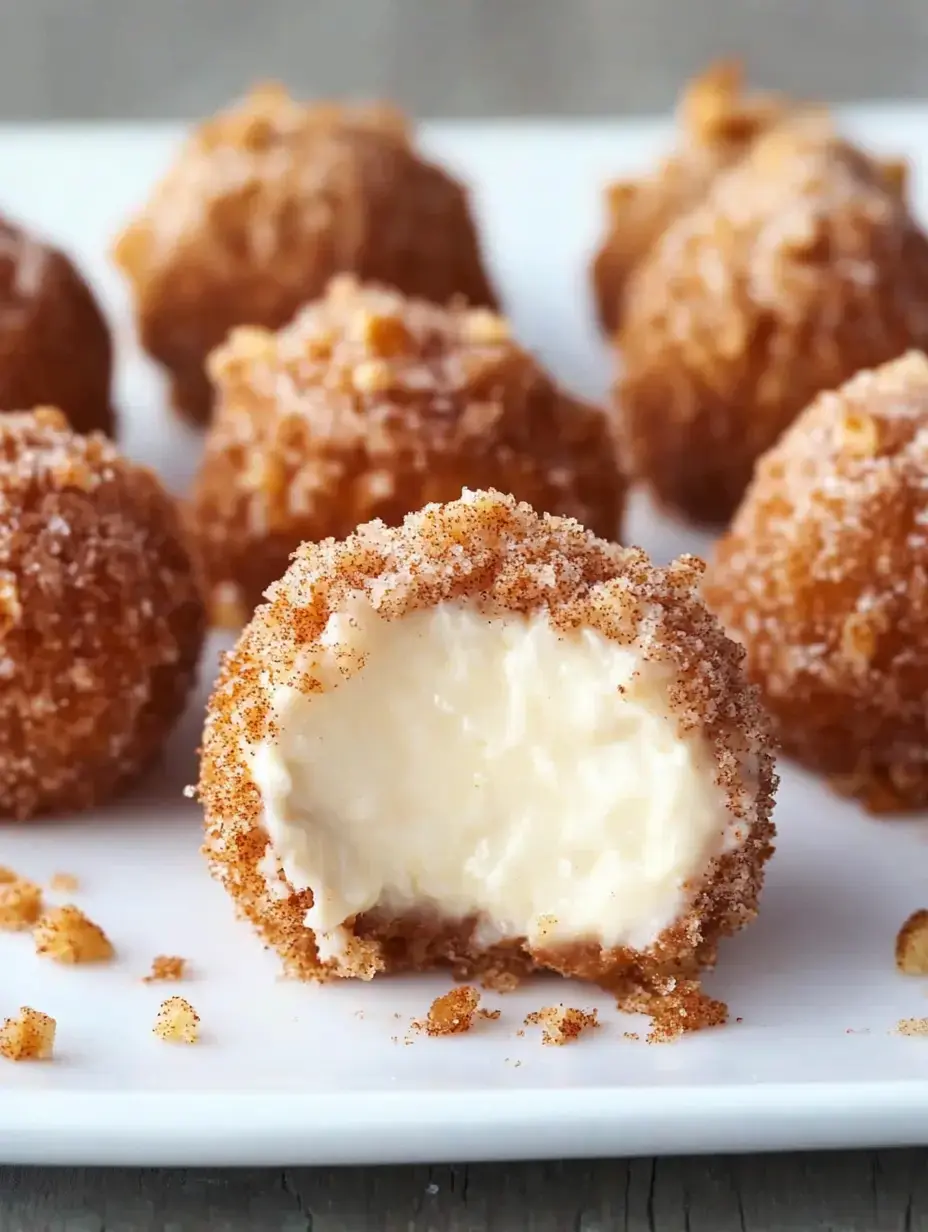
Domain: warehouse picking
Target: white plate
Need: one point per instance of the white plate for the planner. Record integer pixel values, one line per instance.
(288, 1074)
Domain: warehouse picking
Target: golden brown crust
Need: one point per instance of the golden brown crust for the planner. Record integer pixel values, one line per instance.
(370, 405)
(498, 554)
(717, 125)
(824, 578)
(55, 346)
(912, 944)
(101, 618)
(270, 199)
(801, 267)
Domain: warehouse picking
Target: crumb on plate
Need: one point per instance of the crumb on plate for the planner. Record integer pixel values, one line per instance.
(63, 883)
(681, 1008)
(30, 1037)
(165, 967)
(177, 1022)
(912, 944)
(452, 1013)
(912, 1026)
(562, 1024)
(66, 935)
(20, 902)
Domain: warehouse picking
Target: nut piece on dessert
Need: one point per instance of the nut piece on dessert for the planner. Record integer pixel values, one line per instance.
(801, 267)
(66, 935)
(488, 740)
(270, 199)
(370, 405)
(912, 944)
(101, 618)
(177, 1022)
(55, 346)
(823, 579)
(717, 124)
(562, 1024)
(30, 1037)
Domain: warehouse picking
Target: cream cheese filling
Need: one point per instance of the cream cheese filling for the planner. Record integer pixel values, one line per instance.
(493, 768)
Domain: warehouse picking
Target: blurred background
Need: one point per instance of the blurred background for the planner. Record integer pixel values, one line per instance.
(160, 59)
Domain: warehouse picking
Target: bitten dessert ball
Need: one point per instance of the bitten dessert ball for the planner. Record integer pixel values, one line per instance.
(101, 619)
(266, 202)
(55, 346)
(371, 405)
(824, 578)
(802, 266)
(489, 740)
(717, 124)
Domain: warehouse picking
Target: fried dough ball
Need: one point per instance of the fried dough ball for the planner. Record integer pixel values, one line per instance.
(717, 124)
(55, 346)
(802, 266)
(563, 767)
(824, 578)
(101, 619)
(371, 405)
(270, 199)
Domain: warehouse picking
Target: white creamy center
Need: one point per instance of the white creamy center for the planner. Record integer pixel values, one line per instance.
(491, 767)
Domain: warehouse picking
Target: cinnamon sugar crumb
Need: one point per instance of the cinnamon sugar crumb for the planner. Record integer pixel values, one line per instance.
(64, 883)
(682, 1009)
(491, 1015)
(30, 1037)
(630, 1035)
(177, 1022)
(20, 902)
(912, 1026)
(562, 1024)
(453, 1013)
(912, 944)
(165, 967)
(66, 935)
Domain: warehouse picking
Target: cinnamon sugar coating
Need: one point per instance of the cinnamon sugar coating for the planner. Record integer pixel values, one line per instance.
(488, 550)
(265, 203)
(717, 123)
(824, 578)
(55, 346)
(101, 619)
(802, 266)
(370, 405)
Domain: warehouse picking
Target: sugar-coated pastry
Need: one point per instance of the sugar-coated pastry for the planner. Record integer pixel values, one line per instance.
(55, 347)
(488, 740)
(371, 405)
(101, 618)
(802, 266)
(824, 579)
(270, 199)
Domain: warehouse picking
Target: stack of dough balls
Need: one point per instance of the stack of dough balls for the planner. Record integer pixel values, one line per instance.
(269, 200)
(370, 405)
(55, 347)
(488, 740)
(717, 125)
(824, 578)
(101, 617)
(800, 267)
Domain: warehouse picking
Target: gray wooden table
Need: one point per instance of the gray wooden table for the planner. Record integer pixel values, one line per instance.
(859, 1192)
(160, 58)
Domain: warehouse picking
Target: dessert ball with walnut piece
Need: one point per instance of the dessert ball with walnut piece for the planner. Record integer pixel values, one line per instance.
(55, 347)
(270, 199)
(101, 617)
(802, 266)
(370, 405)
(563, 767)
(717, 124)
(824, 579)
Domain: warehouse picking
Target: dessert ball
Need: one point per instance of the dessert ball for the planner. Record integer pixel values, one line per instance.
(488, 739)
(824, 578)
(371, 405)
(55, 346)
(268, 201)
(101, 619)
(802, 266)
(717, 125)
